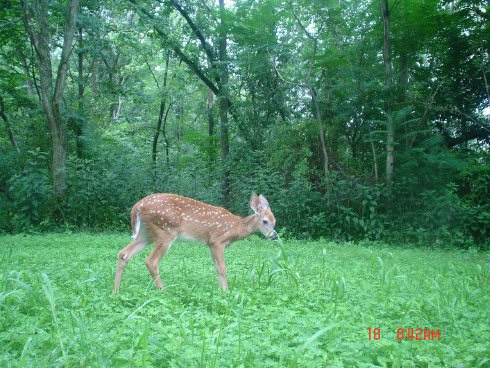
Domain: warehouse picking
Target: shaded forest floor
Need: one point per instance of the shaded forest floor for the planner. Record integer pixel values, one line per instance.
(299, 304)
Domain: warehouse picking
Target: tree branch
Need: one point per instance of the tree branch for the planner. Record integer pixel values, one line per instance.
(473, 133)
(66, 50)
(308, 34)
(205, 45)
(191, 64)
(152, 74)
(28, 26)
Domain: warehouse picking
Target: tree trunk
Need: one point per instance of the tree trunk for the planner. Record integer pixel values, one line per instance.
(30, 83)
(81, 87)
(162, 120)
(403, 90)
(225, 149)
(211, 149)
(320, 129)
(390, 131)
(164, 134)
(10, 132)
(314, 100)
(154, 147)
(223, 109)
(51, 99)
(209, 110)
(375, 160)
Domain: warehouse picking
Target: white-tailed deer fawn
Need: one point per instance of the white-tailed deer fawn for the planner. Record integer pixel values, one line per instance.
(161, 218)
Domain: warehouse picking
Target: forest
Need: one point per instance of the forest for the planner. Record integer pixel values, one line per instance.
(357, 119)
(365, 124)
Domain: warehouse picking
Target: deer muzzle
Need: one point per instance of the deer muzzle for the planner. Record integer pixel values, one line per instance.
(272, 235)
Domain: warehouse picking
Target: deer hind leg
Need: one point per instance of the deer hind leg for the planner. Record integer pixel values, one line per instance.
(163, 241)
(217, 252)
(136, 246)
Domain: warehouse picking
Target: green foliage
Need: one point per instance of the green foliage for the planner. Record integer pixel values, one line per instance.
(30, 194)
(355, 209)
(342, 208)
(278, 53)
(96, 198)
(294, 304)
(475, 191)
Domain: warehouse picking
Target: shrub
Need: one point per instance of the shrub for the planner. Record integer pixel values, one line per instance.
(30, 194)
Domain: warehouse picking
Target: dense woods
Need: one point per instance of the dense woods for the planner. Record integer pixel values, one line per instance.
(357, 119)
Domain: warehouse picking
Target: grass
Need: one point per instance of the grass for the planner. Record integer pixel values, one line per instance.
(308, 305)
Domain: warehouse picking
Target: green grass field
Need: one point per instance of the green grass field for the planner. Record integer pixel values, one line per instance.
(308, 306)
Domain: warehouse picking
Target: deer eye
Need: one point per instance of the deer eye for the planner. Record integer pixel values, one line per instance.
(265, 222)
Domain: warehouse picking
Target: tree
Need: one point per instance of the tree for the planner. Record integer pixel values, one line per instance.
(388, 110)
(162, 119)
(292, 92)
(216, 78)
(224, 104)
(313, 91)
(36, 22)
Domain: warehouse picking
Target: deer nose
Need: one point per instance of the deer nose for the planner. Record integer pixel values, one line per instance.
(273, 235)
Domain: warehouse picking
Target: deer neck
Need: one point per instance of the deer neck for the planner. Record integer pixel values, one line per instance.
(248, 225)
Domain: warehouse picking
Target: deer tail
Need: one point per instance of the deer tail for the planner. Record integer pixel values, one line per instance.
(135, 221)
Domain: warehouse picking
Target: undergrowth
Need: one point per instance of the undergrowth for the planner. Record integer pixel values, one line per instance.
(291, 304)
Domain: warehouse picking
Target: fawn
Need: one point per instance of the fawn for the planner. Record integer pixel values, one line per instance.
(161, 218)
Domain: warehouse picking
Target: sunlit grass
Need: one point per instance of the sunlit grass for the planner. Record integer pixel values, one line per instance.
(293, 304)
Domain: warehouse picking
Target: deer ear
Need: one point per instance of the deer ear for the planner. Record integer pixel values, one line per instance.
(254, 202)
(263, 202)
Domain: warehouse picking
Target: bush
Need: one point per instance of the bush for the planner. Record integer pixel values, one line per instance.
(474, 190)
(102, 190)
(30, 194)
(355, 209)
(342, 208)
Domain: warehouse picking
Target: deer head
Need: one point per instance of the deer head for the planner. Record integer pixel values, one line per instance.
(265, 220)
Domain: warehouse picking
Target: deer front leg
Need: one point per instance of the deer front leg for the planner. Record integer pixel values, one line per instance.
(218, 253)
(162, 245)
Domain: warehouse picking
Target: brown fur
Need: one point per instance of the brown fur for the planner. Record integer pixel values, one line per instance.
(164, 217)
